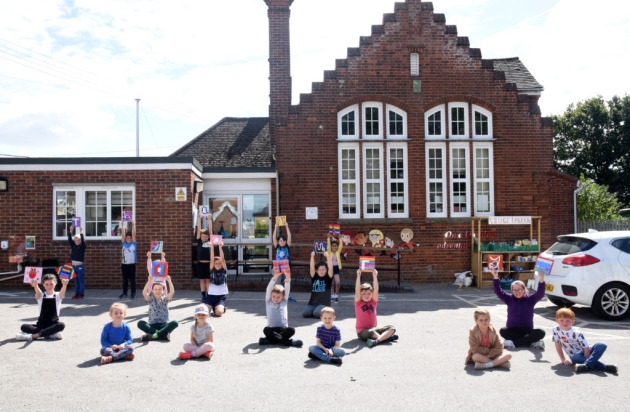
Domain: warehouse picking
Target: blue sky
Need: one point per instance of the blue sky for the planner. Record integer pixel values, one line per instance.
(70, 70)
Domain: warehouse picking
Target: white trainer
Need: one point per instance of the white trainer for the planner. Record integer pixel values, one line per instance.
(538, 345)
(508, 344)
(56, 336)
(24, 336)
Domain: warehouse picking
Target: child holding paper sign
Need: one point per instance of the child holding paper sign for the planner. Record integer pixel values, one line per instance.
(77, 256)
(158, 326)
(128, 265)
(282, 244)
(203, 257)
(48, 325)
(321, 282)
(218, 289)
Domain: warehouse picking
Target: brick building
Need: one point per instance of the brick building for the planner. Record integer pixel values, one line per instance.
(413, 129)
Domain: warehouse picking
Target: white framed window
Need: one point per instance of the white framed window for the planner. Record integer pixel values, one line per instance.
(458, 120)
(372, 120)
(482, 123)
(436, 179)
(398, 200)
(483, 184)
(459, 180)
(100, 208)
(349, 187)
(414, 64)
(373, 200)
(434, 123)
(348, 123)
(396, 122)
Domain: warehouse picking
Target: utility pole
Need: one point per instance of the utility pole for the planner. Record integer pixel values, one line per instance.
(137, 127)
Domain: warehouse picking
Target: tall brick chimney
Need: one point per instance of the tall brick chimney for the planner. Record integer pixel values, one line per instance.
(279, 63)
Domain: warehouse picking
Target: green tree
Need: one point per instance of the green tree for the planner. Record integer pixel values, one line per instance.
(595, 202)
(593, 138)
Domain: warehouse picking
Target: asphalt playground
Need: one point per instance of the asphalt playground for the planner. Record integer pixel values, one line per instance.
(423, 370)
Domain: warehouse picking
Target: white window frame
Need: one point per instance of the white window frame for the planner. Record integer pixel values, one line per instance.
(80, 191)
(354, 108)
(403, 114)
(442, 180)
(379, 107)
(476, 179)
(486, 113)
(429, 113)
(380, 180)
(414, 64)
(356, 180)
(403, 180)
(467, 180)
(454, 105)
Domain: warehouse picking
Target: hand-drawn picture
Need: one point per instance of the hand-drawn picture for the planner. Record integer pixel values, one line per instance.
(32, 274)
(66, 272)
(376, 237)
(30, 242)
(204, 210)
(127, 216)
(367, 263)
(216, 239)
(319, 247)
(543, 266)
(334, 230)
(157, 246)
(281, 220)
(76, 221)
(159, 269)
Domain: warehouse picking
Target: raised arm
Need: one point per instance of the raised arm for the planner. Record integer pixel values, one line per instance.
(328, 257)
(375, 286)
(270, 286)
(145, 290)
(313, 264)
(133, 230)
(286, 224)
(70, 230)
(122, 231)
(64, 285)
(223, 265)
(171, 288)
(38, 291)
(357, 287)
(198, 225)
(274, 239)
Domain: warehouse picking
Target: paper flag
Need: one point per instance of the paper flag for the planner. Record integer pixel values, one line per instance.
(156, 246)
(159, 269)
(66, 272)
(367, 263)
(32, 273)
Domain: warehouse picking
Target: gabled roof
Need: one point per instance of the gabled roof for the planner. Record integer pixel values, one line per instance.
(515, 72)
(232, 142)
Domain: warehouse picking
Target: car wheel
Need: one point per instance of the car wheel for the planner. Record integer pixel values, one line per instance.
(612, 301)
(560, 303)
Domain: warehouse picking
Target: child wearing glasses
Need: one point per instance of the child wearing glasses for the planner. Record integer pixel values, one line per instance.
(519, 327)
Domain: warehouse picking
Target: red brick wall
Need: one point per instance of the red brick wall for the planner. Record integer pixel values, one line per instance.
(27, 210)
(524, 183)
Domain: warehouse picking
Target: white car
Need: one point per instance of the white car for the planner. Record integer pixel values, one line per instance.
(591, 269)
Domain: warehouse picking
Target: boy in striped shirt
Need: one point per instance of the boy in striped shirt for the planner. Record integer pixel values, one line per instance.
(328, 339)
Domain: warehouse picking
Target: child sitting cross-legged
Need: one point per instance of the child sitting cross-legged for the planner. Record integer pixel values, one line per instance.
(328, 339)
(48, 325)
(278, 331)
(201, 336)
(584, 357)
(116, 336)
(365, 303)
(486, 348)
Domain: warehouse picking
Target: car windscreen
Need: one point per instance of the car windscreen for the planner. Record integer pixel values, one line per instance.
(567, 245)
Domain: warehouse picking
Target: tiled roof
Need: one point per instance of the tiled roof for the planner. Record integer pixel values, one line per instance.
(232, 142)
(516, 72)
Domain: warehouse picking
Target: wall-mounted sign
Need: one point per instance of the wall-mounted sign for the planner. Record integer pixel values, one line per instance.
(180, 194)
(510, 220)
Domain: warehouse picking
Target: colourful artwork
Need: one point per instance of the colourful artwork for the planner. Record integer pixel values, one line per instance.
(334, 230)
(127, 216)
(406, 235)
(281, 267)
(281, 220)
(216, 239)
(543, 266)
(495, 262)
(347, 239)
(30, 242)
(76, 221)
(159, 269)
(32, 274)
(319, 247)
(204, 210)
(157, 246)
(66, 272)
(376, 237)
(367, 263)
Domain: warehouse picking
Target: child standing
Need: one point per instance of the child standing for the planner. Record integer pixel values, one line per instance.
(365, 303)
(159, 326)
(218, 288)
(282, 245)
(116, 336)
(321, 282)
(48, 325)
(335, 252)
(583, 356)
(129, 260)
(277, 331)
(203, 257)
(486, 348)
(328, 339)
(201, 336)
(77, 256)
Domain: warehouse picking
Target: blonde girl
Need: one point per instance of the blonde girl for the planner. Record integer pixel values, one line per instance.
(201, 338)
(486, 348)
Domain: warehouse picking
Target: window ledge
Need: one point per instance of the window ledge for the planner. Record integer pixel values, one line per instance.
(439, 220)
(379, 221)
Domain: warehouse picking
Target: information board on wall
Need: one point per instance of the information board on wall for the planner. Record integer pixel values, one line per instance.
(510, 220)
